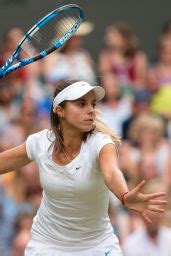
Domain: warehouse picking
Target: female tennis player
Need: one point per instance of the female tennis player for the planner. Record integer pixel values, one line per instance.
(77, 160)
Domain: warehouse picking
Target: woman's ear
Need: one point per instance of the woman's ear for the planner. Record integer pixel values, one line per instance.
(60, 111)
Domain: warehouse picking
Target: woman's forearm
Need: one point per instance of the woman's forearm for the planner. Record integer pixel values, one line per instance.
(13, 159)
(116, 183)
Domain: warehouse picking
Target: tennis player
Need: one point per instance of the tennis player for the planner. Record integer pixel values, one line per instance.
(77, 160)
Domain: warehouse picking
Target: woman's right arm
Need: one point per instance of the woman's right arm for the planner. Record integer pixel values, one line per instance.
(13, 159)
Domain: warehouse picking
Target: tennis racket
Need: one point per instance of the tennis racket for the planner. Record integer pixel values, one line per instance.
(47, 35)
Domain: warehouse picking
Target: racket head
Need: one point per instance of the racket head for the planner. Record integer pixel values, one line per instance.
(49, 33)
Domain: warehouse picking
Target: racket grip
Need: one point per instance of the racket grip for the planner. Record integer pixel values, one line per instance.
(10, 69)
(1, 73)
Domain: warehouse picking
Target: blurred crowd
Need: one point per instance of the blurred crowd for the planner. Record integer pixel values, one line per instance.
(137, 106)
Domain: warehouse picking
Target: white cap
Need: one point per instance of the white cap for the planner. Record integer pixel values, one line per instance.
(85, 28)
(76, 91)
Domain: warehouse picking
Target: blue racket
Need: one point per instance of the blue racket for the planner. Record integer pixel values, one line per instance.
(47, 35)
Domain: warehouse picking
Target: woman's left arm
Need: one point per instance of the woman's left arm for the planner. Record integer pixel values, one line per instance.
(116, 183)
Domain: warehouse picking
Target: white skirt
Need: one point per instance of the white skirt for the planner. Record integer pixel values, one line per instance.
(108, 247)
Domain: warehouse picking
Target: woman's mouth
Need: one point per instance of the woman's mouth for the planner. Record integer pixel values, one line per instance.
(89, 120)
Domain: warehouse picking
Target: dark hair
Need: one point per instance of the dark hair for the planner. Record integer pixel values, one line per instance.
(162, 39)
(126, 32)
(54, 118)
(166, 28)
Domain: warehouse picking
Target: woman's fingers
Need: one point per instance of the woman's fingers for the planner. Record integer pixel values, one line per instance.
(155, 209)
(145, 216)
(155, 195)
(158, 202)
(138, 187)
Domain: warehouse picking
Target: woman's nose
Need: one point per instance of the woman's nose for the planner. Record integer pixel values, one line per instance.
(90, 108)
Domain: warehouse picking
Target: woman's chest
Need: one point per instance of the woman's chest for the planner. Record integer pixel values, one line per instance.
(79, 179)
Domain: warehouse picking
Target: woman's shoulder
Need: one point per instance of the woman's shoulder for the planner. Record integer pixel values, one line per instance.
(38, 143)
(96, 141)
(97, 136)
(43, 135)
(40, 133)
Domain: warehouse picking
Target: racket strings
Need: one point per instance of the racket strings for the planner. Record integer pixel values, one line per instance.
(62, 26)
(47, 35)
(37, 43)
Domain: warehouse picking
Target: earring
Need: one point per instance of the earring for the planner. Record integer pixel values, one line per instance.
(93, 127)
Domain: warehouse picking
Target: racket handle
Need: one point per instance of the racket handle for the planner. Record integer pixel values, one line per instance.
(1, 73)
(10, 69)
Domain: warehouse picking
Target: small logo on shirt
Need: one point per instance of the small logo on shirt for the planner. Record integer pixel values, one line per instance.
(107, 253)
(77, 168)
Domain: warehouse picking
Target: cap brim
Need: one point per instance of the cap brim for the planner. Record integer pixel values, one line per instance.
(99, 93)
(76, 91)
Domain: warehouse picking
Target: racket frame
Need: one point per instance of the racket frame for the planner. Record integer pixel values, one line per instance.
(7, 68)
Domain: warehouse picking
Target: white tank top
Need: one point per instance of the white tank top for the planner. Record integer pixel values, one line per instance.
(74, 207)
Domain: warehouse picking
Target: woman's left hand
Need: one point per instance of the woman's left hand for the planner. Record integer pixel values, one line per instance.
(143, 203)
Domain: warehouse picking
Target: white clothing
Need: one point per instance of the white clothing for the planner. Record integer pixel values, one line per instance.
(114, 117)
(72, 67)
(73, 215)
(138, 244)
(106, 248)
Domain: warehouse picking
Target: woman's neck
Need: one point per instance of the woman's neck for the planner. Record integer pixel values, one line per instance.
(72, 140)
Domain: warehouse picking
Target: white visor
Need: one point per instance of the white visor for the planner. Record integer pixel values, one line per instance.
(76, 91)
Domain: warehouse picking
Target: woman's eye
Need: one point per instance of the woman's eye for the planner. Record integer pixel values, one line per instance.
(81, 104)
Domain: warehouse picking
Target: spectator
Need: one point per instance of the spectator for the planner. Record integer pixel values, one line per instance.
(18, 196)
(159, 75)
(9, 42)
(153, 238)
(115, 109)
(147, 135)
(166, 28)
(9, 110)
(73, 61)
(121, 56)
(141, 104)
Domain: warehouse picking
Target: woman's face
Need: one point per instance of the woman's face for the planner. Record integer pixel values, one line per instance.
(111, 86)
(114, 39)
(148, 134)
(80, 114)
(13, 37)
(165, 51)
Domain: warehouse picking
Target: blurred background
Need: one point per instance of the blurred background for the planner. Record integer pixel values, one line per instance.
(125, 46)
